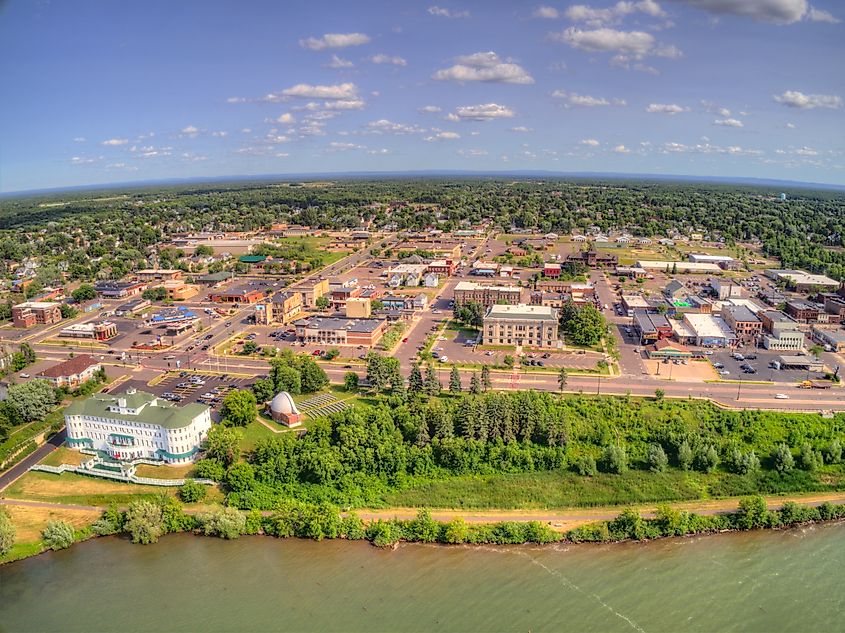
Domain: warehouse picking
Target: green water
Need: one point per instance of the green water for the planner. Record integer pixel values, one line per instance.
(765, 581)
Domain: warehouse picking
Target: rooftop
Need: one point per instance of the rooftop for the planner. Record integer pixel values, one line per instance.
(137, 407)
(708, 326)
(522, 311)
(339, 323)
(70, 367)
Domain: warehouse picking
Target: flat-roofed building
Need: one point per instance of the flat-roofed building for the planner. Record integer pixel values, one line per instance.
(651, 326)
(244, 293)
(158, 274)
(485, 294)
(803, 311)
(632, 272)
(634, 302)
(132, 307)
(32, 313)
(359, 308)
(593, 259)
(526, 325)
(725, 289)
(802, 281)
(709, 330)
(311, 291)
(675, 267)
(784, 332)
(442, 267)
(722, 261)
(135, 425)
(745, 324)
(97, 331)
(119, 289)
(73, 372)
(178, 290)
(282, 307)
(832, 339)
(550, 299)
(341, 331)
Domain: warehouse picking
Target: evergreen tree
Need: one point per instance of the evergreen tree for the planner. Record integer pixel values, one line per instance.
(486, 383)
(432, 382)
(455, 380)
(561, 378)
(475, 385)
(415, 380)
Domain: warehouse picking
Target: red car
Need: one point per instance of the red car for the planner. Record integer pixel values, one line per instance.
(316, 352)
(405, 340)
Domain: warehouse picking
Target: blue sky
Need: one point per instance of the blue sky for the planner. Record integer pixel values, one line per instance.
(99, 92)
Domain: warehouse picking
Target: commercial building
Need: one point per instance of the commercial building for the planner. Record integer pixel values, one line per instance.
(803, 311)
(651, 326)
(745, 324)
(801, 281)
(725, 289)
(833, 340)
(132, 307)
(172, 316)
(784, 333)
(73, 372)
(36, 313)
(178, 290)
(135, 425)
(675, 267)
(722, 261)
(801, 361)
(486, 295)
(632, 272)
(282, 307)
(215, 279)
(359, 308)
(119, 289)
(709, 330)
(634, 302)
(665, 348)
(551, 269)
(246, 293)
(311, 291)
(550, 299)
(442, 267)
(593, 258)
(341, 331)
(531, 326)
(340, 294)
(97, 331)
(158, 274)
(675, 289)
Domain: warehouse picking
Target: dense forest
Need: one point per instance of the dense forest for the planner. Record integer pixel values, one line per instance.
(108, 233)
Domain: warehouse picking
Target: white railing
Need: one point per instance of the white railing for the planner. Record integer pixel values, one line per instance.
(128, 476)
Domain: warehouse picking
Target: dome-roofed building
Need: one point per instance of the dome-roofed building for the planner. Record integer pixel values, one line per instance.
(283, 410)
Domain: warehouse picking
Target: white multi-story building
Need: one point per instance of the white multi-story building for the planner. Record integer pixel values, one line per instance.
(529, 325)
(136, 424)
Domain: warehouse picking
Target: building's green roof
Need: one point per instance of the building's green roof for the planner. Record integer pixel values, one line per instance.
(252, 259)
(162, 413)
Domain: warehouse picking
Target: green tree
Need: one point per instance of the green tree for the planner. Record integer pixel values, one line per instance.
(508, 360)
(659, 394)
(33, 399)
(350, 381)
(322, 303)
(264, 389)
(239, 408)
(706, 458)
(586, 466)
(657, 459)
(84, 293)
(192, 491)
(455, 385)
(228, 523)
(314, 378)
(287, 379)
(685, 456)
(752, 513)
(144, 521)
(432, 384)
(58, 535)
(415, 379)
(562, 376)
(223, 445)
(810, 459)
(615, 459)
(474, 384)
(486, 383)
(8, 533)
(203, 250)
(250, 347)
(833, 454)
(782, 459)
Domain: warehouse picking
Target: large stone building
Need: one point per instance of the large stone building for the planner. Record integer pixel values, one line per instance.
(311, 291)
(745, 324)
(282, 307)
(341, 331)
(136, 424)
(527, 325)
(485, 294)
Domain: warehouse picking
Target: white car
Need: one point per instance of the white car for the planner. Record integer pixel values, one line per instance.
(709, 352)
(781, 396)
(444, 359)
(725, 372)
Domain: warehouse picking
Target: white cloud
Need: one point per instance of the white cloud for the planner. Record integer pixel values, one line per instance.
(442, 12)
(621, 149)
(336, 91)
(220, 134)
(728, 122)
(796, 99)
(484, 66)
(380, 151)
(338, 62)
(385, 126)
(819, 15)
(442, 136)
(342, 147)
(482, 112)
(472, 153)
(791, 126)
(189, 131)
(629, 45)
(246, 130)
(237, 100)
(344, 104)
(79, 139)
(546, 13)
(112, 142)
(590, 142)
(805, 151)
(381, 58)
(334, 40)
(666, 108)
(706, 148)
(709, 106)
(521, 128)
(281, 154)
(598, 17)
(430, 109)
(774, 11)
(84, 160)
(287, 117)
(574, 99)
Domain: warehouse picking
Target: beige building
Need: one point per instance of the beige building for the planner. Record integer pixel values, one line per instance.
(528, 325)
(358, 308)
(283, 307)
(311, 291)
(486, 295)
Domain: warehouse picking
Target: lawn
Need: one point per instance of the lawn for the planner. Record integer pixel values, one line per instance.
(64, 455)
(563, 489)
(29, 522)
(165, 472)
(70, 488)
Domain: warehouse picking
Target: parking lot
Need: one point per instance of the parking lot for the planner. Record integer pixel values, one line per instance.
(759, 360)
(186, 387)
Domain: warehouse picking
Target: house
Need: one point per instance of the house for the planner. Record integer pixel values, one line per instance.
(73, 372)
(32, 313)
(431, 280)
(521, 325)
(420, 301)
(675, 289)
(579, 238)
(137, 425)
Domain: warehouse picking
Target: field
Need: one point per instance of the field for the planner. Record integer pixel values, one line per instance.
(553, 490)
(70, 488)
(63, 455)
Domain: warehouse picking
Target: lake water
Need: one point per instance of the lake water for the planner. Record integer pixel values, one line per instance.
(763, 581)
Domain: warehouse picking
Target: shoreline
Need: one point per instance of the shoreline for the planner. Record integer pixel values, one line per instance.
(753, 514)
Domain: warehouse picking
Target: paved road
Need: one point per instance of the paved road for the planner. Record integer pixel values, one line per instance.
(9, 477)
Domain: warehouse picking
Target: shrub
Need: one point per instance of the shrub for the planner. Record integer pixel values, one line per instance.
(706, 458)
(210, 469)
(743, 463)
(657, 460)
(586, 466)
(833, 454)
(110, 522)
(383, 533)
(685, 457)
(7, 532)
(752, 514)
(228, 523)
(809, 459)
(455, 531)
(58, 535)
(144, 522)
(352, 527)
(615, 459)
(782, 459)
(192, 491)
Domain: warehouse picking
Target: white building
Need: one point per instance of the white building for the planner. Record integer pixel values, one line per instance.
(529, 325)
(136, 424)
